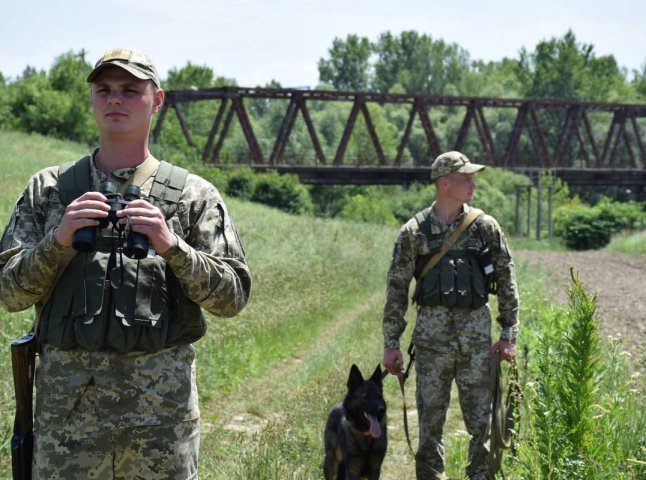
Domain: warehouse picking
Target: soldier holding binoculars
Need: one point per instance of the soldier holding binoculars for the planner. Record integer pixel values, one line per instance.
(119, 252)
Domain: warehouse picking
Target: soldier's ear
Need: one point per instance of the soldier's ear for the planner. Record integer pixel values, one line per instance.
(159, 99)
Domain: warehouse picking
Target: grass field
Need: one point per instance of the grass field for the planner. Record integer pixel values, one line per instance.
(268, 377)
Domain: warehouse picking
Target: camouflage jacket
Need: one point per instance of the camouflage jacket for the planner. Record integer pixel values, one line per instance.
(207, 258)
(411, 243)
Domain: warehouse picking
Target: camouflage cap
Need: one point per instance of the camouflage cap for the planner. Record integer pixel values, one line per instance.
(452, 162)
(132, 61)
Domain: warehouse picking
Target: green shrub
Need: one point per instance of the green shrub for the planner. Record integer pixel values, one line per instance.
(284, 192)
(621, 216)
(583, 227)
(241, 183)
(368, 209)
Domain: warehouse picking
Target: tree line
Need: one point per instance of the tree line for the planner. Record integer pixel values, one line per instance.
(54, 102)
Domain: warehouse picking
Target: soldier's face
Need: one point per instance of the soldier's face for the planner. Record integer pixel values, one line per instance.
(123, 105)
(460, 186)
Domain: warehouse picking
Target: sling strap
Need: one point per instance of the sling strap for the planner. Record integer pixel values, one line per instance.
(504, 415)
(448, 243)
(168, 181)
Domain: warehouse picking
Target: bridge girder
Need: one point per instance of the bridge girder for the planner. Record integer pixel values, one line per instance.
(566, 137)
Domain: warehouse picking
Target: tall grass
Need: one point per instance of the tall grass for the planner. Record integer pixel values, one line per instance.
(583, 417)
(633, 243)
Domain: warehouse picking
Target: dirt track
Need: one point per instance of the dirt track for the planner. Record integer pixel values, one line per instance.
(619, 282)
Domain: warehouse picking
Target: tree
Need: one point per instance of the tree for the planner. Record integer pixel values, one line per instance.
(194, 76)
(639, 82)
(564, 68)
(348, 65)
(419, 64)
(68, 77)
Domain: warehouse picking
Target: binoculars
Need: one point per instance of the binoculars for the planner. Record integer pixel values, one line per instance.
(136, 244)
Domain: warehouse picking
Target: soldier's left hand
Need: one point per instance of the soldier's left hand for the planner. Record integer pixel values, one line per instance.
(148, 220)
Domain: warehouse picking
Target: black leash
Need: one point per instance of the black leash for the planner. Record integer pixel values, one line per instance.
(402, 380)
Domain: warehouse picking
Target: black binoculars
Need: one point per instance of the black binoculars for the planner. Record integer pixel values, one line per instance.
(136, 244)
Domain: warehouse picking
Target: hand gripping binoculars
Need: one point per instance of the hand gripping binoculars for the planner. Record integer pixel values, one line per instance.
(135, 245)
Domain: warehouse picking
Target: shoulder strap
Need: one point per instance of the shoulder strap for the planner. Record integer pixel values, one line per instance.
(73, 179)
(448, 243)
(167, 187)
(423, 222)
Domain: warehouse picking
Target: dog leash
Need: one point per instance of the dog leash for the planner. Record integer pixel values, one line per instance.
(504, 421)
(402, 380)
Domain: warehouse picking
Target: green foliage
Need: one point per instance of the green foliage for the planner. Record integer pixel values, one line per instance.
(583, 227)
(639, 81)
(347, 67)
(564, 68)
(406, 202)
(284, 192)
(419, 64)
(581, 367)
(622, 215)
(632, 243)
(54, 103)
(576, 399)
(193, 76)
(370, 208)
(241, 183)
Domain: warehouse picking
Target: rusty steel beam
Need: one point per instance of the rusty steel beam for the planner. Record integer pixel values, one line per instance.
(373, 134)
(311, 130)
(550, 126)
(283, 134)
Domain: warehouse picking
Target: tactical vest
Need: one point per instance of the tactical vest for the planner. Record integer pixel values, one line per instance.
(457, 280)
(147, 311)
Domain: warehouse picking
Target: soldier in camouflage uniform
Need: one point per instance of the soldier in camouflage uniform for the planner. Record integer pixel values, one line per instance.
(116, 387)
(452, 336)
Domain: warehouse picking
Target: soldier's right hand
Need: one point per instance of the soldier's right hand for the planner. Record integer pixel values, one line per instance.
(394, 361)
(82, 212)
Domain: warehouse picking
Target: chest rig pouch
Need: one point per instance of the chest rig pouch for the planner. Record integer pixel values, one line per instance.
(104, 299)
(458, 279)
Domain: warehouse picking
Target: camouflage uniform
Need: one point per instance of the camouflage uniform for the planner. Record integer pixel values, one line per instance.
(136, 409)
(450, 343)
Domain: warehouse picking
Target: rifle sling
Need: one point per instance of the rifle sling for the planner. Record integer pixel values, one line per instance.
(504, 415)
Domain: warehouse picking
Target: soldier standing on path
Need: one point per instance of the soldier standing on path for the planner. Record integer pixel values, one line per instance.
(119, 252)
(452, 335)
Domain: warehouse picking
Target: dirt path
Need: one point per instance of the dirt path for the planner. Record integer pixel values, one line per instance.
(274, 384)
(619, 282)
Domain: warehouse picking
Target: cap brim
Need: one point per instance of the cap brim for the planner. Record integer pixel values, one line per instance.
(470, 168)
(128, 68)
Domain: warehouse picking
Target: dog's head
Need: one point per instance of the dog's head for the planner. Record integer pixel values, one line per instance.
(364, 405)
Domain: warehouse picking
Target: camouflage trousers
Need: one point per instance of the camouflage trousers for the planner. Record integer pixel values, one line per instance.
(435, 374)
(81, 448)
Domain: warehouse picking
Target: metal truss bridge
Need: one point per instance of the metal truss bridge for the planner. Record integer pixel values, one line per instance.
(584, 143)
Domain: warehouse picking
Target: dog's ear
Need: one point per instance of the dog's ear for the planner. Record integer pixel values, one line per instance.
(377, 375)
(355, 379)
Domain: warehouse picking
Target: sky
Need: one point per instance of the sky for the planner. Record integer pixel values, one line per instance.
(256, 41)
